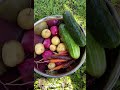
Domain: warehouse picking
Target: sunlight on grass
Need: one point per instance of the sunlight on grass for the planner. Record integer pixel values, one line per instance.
(64, 83)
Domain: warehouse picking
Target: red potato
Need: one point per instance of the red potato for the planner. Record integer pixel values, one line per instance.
(47, 43)
(53, 22)
(47, 54)
(37, 39)
(26, 70)
(54, 30)
(28, 41)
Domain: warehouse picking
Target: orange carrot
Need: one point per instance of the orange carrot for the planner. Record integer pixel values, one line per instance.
(58, 67)
(57, 60)
(65, 65)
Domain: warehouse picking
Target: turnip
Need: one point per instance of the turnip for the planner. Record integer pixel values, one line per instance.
(47, 43)
(53, 22)
(46, 33)
(37, 39)
(12, 53)
(39, 48)
(55, 40)
(28, 41)
(54, 30)
(47, 54)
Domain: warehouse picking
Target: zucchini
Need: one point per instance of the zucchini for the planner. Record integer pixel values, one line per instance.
(74, 29)
(102, 24)
(96, 59)
(72, 47)
(114, 76)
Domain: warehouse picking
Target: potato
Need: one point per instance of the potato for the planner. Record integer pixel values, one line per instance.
(55, 40)
(12, 53)
(39, 48)
(39, 27)
(51, 65)
(61, 47)
(46, 33)
(25, 18)
(52, 47)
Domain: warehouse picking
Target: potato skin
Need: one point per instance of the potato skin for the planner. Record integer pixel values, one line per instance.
(39, 48)
(61, 47)
(46, 33)
(55, 40)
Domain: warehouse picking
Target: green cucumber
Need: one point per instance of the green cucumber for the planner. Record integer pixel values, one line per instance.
(96, 59)
(72, 47)
(103, 26)
(74, 29)
(114, 76)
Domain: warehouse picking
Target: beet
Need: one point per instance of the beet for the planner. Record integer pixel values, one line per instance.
(53, 22)
(54, 30)
(28, 41)
(37, 39)
(26, 70)
(46, 54)
(47, 43)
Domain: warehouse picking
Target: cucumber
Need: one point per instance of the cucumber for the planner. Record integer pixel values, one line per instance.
(103, 26)
(72, 47)
(114, 76)
(96, 59)
(74, 29)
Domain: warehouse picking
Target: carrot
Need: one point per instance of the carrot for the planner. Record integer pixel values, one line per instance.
(57, 68)
(60, 57)
(57, 60)
(65, 65)
(51, 61)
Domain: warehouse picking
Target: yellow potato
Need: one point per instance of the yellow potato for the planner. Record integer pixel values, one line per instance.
(61, 47)
(51, 65)
(46, 33)
(39, 48)
(52, 47)
(55, 40)
(12, 53)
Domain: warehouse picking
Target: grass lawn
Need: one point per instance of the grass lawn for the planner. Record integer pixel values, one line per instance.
(42, 8)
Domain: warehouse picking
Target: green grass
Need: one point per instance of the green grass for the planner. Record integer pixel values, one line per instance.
(43, 8)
